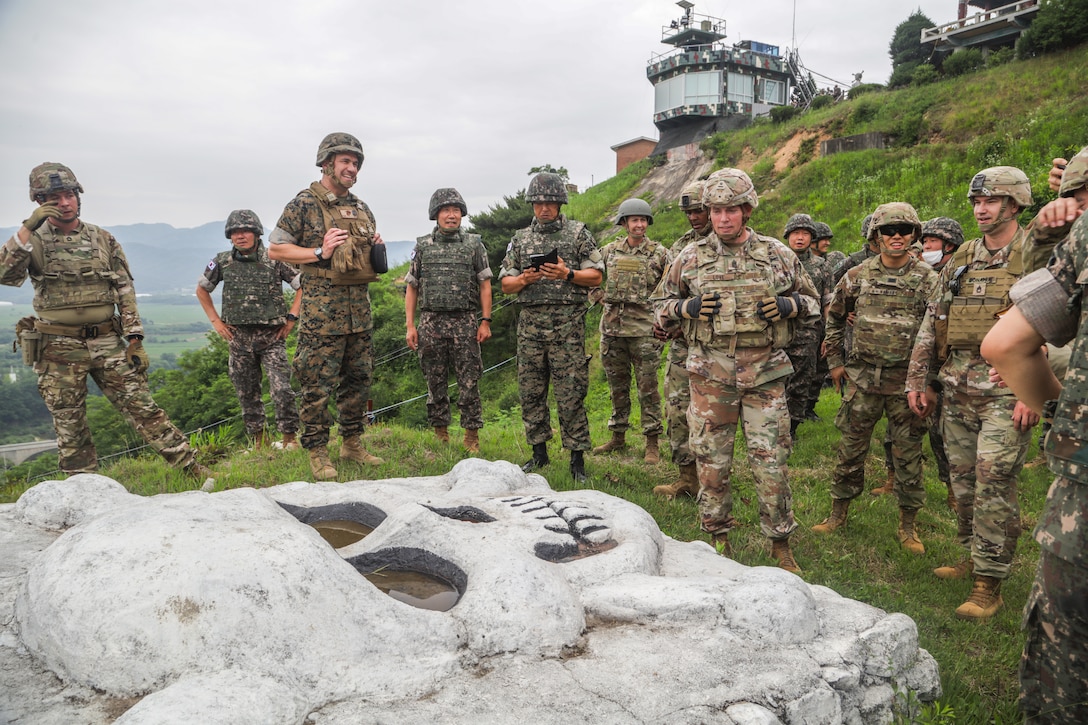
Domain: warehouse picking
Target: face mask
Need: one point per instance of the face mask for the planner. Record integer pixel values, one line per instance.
(933, 257)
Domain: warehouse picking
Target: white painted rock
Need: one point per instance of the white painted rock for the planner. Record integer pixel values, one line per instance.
(230, 608)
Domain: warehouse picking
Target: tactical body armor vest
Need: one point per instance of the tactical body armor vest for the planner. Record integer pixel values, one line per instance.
(535, 241)
(889, 311)
(447, 281)
(742, 280)
(979, 294)
(629, 280)
(76, 273)
(352, 218)
(251, 289)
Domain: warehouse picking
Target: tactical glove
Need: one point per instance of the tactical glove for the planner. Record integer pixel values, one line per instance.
(701, 308)
(136, 356)
(39, 215)
(773, 309)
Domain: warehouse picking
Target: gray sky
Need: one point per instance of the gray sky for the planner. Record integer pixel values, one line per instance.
(179, 111)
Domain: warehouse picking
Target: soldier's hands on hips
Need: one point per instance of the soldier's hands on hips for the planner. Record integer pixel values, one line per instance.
(701, 308)
(39, 215)
(285, 330)
(225, 331)
(136, 356)
(778, 308)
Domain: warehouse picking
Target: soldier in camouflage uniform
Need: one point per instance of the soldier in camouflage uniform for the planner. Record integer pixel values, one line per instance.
(833, 258)
(804, 350)
(86, 309)
(677, 389)
(1050, 306)
(450, 278)
(255, 323)
(986, 430)
(822, 246)
(1054, 220)
(330, 233)
(888, 296)
(633, 268)
(552, 323)
(868, 251)
(737, 294)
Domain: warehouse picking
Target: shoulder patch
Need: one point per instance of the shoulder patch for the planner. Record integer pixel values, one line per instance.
(510, 246)
(211, 265)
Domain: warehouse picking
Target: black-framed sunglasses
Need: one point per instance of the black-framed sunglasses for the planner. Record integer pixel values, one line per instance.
(903, 230)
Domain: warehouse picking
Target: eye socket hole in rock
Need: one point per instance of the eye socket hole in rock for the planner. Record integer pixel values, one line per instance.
(413, 576)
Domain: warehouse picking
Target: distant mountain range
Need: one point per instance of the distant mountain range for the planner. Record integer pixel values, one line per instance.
(166, 261)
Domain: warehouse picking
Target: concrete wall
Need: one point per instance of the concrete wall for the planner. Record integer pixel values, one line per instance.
(860, 142)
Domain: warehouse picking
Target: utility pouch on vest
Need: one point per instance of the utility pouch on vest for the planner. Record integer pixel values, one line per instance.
(940, 327)
(29, 339)
(379, 261)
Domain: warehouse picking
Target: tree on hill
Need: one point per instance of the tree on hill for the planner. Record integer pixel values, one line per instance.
(1060, 24)
(906, 51)
(561, 172)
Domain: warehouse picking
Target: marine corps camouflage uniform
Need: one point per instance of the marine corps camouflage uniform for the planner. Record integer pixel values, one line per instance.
(1054, 666)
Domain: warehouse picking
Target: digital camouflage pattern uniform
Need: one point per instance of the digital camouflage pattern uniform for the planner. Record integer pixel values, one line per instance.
(804, 350)
(627, 334)
(985, 451)
(447, 269)
(551, 331)
(253, 306)
(1054, 666)
(85, 275)
(333, 356)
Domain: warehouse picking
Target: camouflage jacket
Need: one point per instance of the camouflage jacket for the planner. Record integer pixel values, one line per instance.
(447, 269)
(251, 286)
(631, 275)
(1040, 243)
(678, 346)
(819, 271)
(575, 245)
(852, 261)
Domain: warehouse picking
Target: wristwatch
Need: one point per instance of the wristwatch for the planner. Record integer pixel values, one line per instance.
(317, 252)
(570, 275)
(292, 318)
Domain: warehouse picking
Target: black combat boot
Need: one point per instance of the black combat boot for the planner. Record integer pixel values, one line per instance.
(577, 467)
(539, 459)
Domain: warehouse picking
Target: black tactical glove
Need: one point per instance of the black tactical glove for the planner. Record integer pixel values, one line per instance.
(701, 308)
(39, 215)
(773, 309)
(136, 356)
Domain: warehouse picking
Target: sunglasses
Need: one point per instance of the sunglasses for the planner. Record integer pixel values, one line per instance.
(903, 230)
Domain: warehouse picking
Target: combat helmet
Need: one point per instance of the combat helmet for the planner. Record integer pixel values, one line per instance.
(1002, 181)
(945, 229)
(865, 226)
(896, 212)
(691, 198)
(1075, 175)
(730, 187)
(51, 177)
(634, 207)
(823, 231)
(802, 221)
(546, 187)
(338, 143)
(446, 197)
(244, 220)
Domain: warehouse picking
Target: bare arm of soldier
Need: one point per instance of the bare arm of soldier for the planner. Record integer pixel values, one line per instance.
(284, 247)
(411, 336)
(483, 332)
(1016, 350)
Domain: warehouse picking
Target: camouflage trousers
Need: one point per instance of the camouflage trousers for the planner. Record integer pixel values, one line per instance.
(856, 419)
(255, 347)
(715, 410)
(803, 356)
(563, 362)
(677, 400)
(1054, 665)
(985, 455)
(818, 381)
(62, 372)
(619, 355)
(936, 440)
(327, 366)
(448, 340)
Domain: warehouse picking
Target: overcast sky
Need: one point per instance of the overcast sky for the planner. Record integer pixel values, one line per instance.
(180, 111)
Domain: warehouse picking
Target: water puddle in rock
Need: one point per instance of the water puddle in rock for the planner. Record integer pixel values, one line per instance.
(341, 533)
(418, 590)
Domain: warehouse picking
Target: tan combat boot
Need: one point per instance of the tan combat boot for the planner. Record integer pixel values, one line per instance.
(198, 471)
(984, 601)
(720, 542)
(261, 441)
(321, 466)
(908, 537)
(472, 441)
(888, 487)
(289, 442)
(688, 483)
(952, 499)
(780, 551)
(442, 433)
(958, 571)
(618, 443)
(652, 453)
(839, 508)
(352, 449)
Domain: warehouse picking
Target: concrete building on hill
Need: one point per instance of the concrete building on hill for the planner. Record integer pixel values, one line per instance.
(997, 24)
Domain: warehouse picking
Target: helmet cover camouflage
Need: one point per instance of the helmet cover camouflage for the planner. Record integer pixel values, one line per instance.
(691, 198)
(802, 221)
(51, 177)
(1075, 175)
(945, 229)
(634, 207)
(897, 212)
(243, 220)
(823, 231)
(730, 187)
(338, 143)
(446, 197)
(865, 225)
(546, 187)
(1002, 181)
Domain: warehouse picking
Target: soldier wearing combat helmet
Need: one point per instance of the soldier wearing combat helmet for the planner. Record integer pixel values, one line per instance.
(255, 323)
(737, 295)
(986, 430)
(331, 235)
(550, 266)
(86, 311)
(450, 279)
